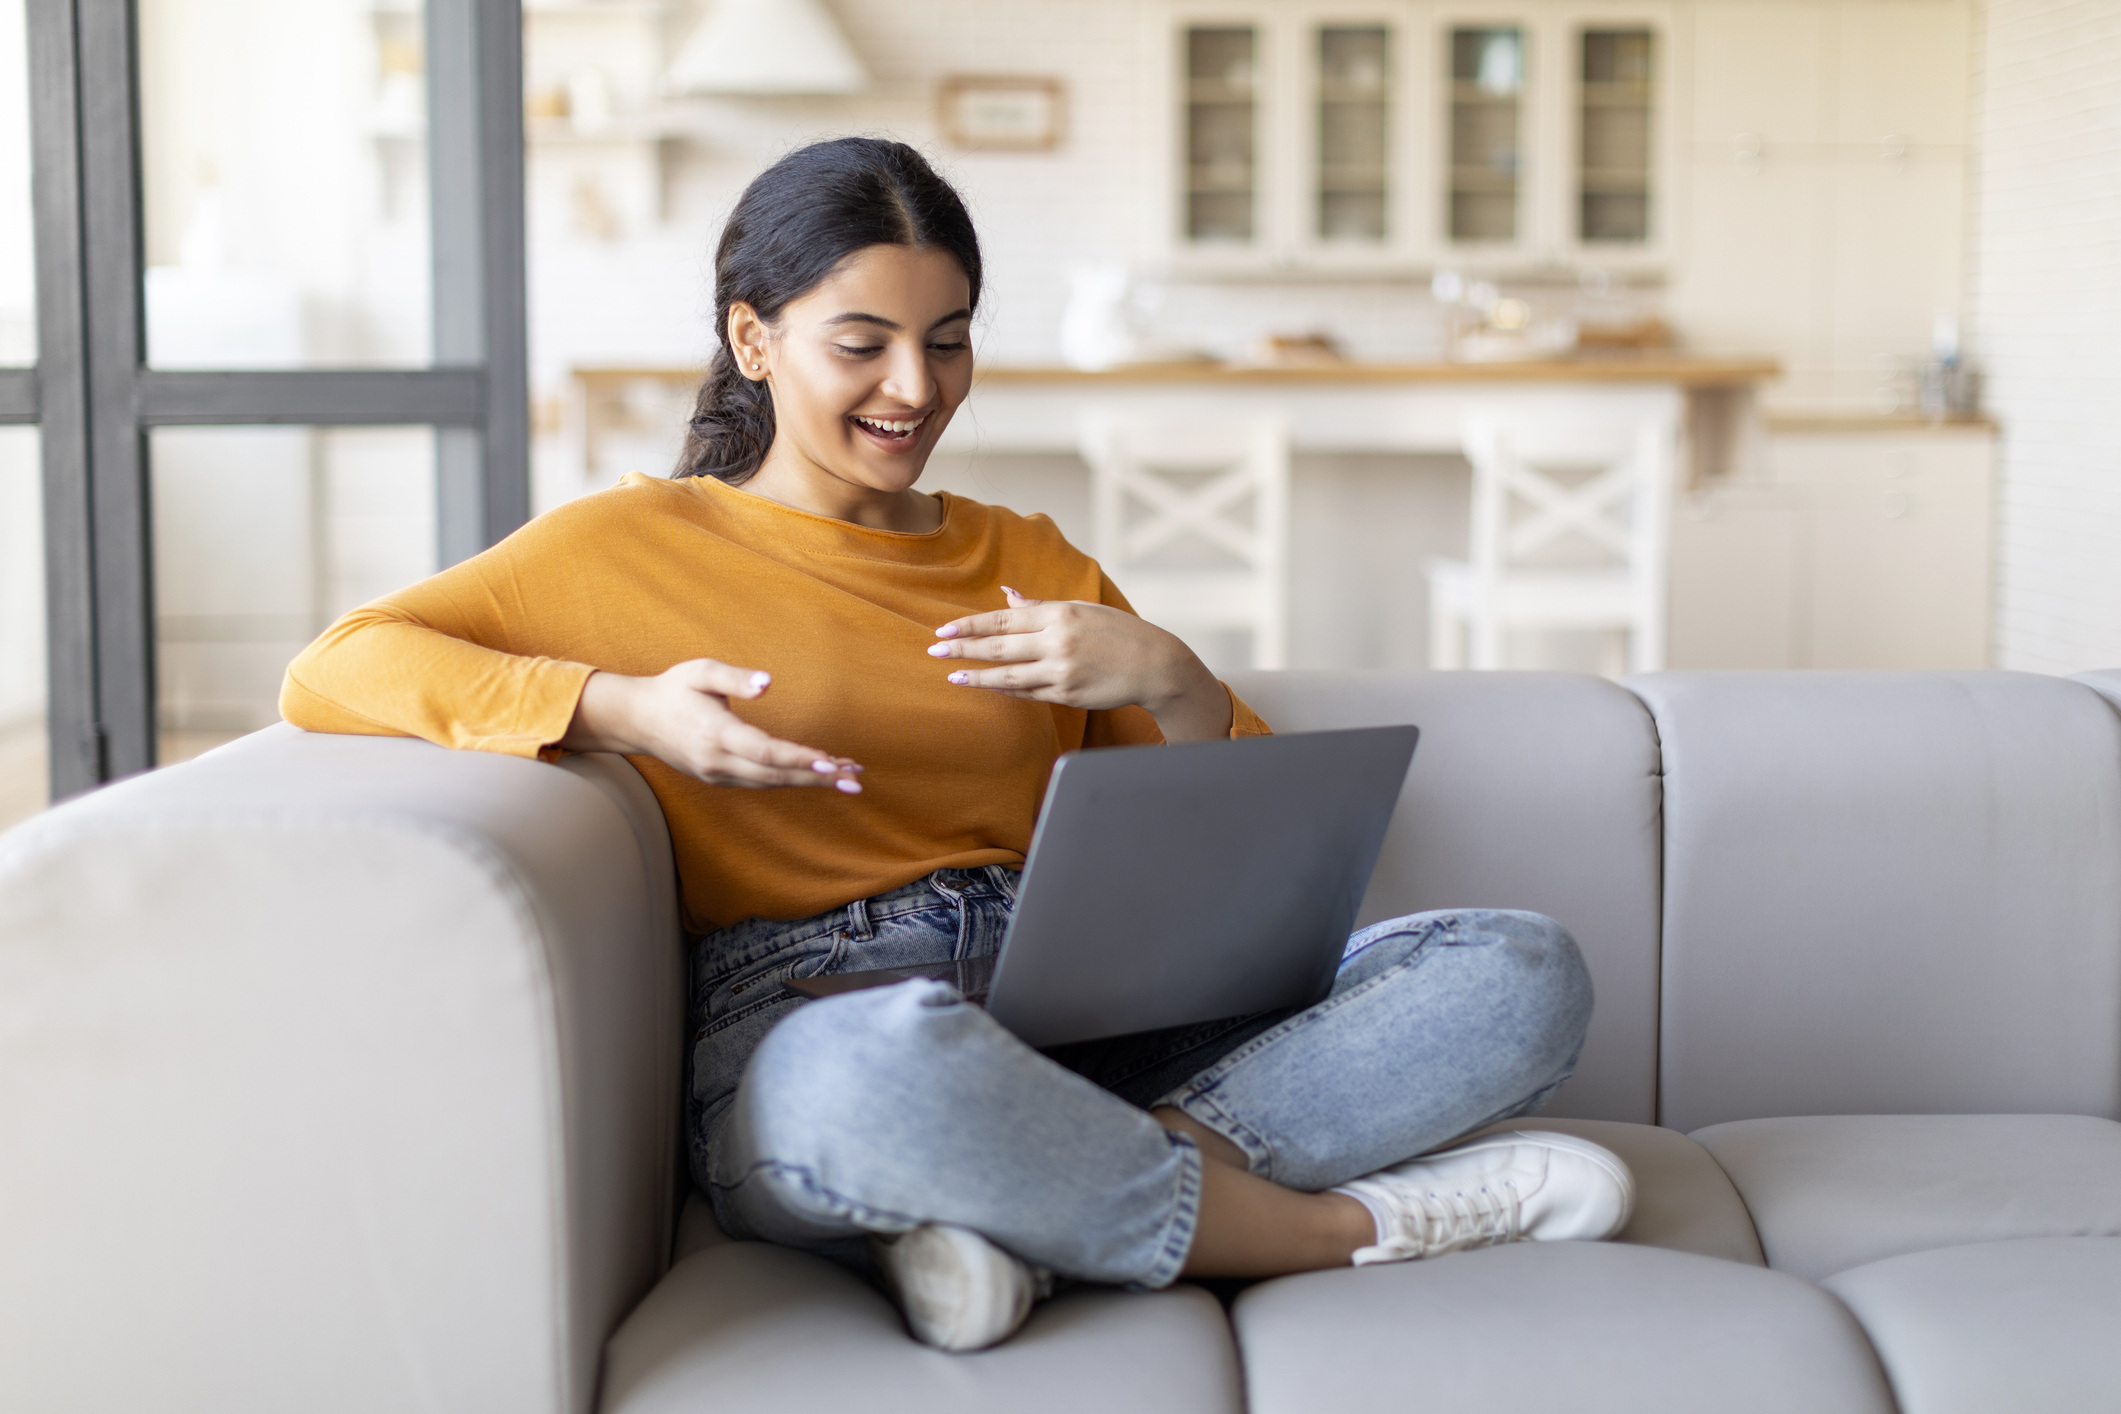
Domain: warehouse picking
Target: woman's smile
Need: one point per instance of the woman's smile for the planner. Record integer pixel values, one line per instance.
(890, 434)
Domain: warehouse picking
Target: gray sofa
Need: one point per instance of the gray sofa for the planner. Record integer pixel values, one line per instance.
(342, 1074)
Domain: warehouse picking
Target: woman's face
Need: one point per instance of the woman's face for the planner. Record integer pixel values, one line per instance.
(867, 368)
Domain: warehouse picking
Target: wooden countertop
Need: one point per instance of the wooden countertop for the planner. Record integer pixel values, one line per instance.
(1835, 424)
(1616, 368)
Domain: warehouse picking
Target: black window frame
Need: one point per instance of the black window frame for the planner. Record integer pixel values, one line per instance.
(95, 400)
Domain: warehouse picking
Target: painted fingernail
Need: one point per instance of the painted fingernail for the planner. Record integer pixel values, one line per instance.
(946, 631)
(1011, 592)
(939, 650)
(961, 678)
(824, 768)
(851, 787)
(855, 766)
(759, 681)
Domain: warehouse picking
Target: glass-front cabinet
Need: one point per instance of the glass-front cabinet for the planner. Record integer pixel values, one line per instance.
(1222, 134)
(1353, 187)
(1617, 105)
(1475, 135)
(1485, 132)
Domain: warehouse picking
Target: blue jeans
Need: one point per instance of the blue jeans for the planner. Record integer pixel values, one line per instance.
(815, 1123)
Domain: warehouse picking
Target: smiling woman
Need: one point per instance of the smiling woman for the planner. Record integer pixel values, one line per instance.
(790, 586)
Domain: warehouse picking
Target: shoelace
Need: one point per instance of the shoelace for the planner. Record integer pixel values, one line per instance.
(1434, 1222)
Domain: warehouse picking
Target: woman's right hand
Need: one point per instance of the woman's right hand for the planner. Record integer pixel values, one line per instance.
(682, 718)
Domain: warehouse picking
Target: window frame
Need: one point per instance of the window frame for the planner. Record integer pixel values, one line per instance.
(95, 399)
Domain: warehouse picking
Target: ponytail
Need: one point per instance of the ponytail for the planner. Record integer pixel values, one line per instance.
(731, 426)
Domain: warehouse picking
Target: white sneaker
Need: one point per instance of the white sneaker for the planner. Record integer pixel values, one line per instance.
(958, 1290)
(1522, 1186)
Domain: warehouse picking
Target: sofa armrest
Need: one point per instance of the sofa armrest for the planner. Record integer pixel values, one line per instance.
(335, 1073)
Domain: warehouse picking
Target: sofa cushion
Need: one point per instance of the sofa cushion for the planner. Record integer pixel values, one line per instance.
(1831, 1192)
(1543, 1326)
(1888, 893)
(1529, 790)
(2027, 1326)
(1683, 1201)
(747, 1325)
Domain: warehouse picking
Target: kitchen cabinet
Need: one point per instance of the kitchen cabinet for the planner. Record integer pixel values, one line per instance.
(1475, 135)
(1853, 546)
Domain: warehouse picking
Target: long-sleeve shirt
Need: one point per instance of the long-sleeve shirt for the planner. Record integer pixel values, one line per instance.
(491, 655)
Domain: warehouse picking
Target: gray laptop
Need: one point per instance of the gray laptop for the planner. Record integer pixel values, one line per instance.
(1168, 885)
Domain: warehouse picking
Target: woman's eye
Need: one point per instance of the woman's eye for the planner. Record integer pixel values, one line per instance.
(859, 350)
(958, 347)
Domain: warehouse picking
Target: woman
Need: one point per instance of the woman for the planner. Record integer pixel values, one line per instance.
(847, 695)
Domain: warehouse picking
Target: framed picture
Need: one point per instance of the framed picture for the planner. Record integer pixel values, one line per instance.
(996, 114)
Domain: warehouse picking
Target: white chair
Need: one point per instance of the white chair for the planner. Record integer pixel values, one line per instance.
(1191, 521)
(1570, 530)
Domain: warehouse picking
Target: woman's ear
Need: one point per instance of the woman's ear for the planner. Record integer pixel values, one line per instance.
(747, 341)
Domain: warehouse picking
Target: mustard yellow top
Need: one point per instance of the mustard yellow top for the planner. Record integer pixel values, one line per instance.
(491, 655)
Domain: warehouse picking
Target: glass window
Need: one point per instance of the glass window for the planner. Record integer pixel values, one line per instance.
(1487, 95)
(295, 241)
(1614, 164)
(263, 536)
(23, 775)
(18, 267)
(1221, 111)
(1354, 109)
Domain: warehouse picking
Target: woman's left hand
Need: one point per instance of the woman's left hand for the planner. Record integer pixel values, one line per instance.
(1090, 656)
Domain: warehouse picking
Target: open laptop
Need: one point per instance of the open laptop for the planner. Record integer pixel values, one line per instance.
(1168, 885)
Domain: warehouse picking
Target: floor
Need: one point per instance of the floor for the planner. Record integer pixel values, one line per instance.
(22, 763)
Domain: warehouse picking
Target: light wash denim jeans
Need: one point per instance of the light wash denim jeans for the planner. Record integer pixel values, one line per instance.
(815, 1123)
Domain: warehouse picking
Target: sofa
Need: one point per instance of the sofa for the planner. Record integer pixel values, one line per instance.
(343, 1074)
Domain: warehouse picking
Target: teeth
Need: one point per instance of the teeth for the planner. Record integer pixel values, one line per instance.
(883, 424)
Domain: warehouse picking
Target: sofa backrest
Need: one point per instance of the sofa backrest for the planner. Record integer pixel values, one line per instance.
(1528, 790)
(1888, 893)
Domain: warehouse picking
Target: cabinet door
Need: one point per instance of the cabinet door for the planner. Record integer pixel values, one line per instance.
(1486, 62)
(1899, 547)
(1610, 91)
(1736, 579)
(1352, 80)
(1222, 144)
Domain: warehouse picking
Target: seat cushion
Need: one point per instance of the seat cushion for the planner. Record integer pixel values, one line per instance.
(2028, 1326)
(1529, 790)
(1683, 1201)
(747, 1325)
(1888, 893)
(1544, 1326)
(1830, 1192)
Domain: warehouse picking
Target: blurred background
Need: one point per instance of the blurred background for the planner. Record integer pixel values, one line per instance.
(1838, 260)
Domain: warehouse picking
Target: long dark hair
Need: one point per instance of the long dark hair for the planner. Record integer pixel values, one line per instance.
(791, 228)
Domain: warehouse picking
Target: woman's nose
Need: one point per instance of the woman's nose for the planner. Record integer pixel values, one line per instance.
(908, 379)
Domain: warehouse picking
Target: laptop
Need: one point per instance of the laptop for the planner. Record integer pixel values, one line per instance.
(1168, 885)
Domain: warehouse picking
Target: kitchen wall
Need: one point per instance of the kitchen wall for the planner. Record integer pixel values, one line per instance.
(2047, 298)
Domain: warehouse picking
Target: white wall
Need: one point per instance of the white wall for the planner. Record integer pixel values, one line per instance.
(2047, 296)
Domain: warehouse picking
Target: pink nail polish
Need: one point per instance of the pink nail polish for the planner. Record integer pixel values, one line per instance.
(851, 787)
(961, 678)
(946, 631)
(1007, 590)
(939, 650)
(759, 681)
(824, 768)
